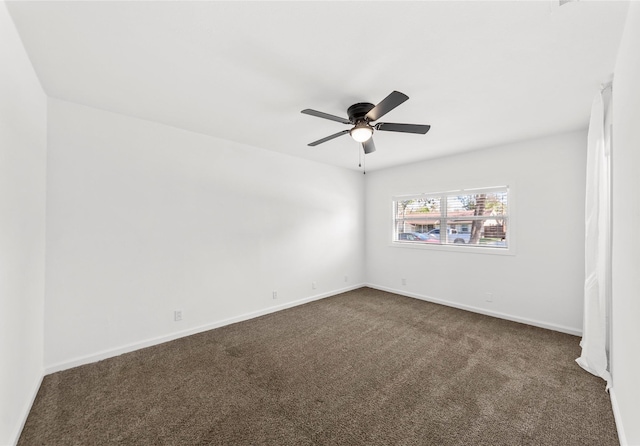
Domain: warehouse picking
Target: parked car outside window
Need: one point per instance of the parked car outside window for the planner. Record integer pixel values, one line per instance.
(418, 237)
(453, 235)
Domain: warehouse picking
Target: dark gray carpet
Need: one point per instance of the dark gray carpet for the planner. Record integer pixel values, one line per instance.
(361, 368)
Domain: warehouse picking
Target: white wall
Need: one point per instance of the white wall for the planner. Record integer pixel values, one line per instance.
(626, 237)
(144, 219)
(23, 133)
(542, 283)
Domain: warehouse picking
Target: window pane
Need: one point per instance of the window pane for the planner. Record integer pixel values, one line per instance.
(486, 231)
(494, 203)
(414, 218)
(418, 208)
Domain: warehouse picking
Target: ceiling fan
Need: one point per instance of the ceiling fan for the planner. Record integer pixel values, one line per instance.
(361, 116)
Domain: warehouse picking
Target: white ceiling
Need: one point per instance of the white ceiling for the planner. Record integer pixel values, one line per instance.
(481, 73)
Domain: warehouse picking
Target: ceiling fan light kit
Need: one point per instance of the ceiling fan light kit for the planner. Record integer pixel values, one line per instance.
(360, 117)
(361, 132)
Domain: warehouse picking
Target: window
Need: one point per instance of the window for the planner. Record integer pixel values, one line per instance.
(472, 218)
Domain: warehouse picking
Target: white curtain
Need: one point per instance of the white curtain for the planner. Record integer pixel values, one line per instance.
(597, 285)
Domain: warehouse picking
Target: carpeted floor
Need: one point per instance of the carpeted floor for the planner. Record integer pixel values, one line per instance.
(362, 368)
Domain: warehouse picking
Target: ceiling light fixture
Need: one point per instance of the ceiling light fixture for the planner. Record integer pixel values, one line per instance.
(361, 132)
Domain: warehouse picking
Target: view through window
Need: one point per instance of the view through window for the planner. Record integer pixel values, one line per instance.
(477, 217)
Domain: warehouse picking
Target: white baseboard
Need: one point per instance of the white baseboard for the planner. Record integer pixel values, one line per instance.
(24, 413)
(109, 353)
(617, 417)
(509, 317)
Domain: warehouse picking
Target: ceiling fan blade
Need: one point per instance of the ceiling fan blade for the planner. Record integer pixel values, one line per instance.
(369, 146)
(386, 105)
(319, 114)
(335, 135)
(405, 128)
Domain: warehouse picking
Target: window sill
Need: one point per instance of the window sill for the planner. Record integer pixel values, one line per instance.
(510, 251)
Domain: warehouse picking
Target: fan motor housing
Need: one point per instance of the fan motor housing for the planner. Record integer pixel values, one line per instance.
(358, 111)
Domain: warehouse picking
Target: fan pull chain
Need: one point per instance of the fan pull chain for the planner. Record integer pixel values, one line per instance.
(364, 164)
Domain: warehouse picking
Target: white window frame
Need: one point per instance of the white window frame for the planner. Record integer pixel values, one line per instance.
(477, 249)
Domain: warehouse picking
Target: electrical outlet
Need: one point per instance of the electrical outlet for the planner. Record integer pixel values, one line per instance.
(313, 285)
(177, 315)
(488, 297)
(404, 281)
(346, 278)
(275, 294)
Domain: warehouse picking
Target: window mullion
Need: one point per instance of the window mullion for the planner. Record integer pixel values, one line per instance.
(443, 220)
